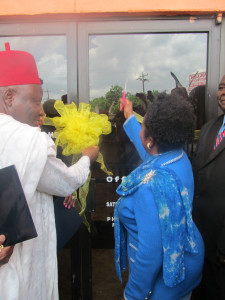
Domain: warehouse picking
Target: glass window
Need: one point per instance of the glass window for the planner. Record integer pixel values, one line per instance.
(115, 59)
(50, 55)
(144, 64)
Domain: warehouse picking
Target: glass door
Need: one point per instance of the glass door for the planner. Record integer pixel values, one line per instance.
(146, 58)
(144, 64)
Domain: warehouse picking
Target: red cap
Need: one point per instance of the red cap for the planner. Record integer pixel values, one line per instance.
(17, 68)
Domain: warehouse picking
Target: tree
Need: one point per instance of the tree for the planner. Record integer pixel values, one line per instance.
(110, 102)
(112, 97)
(98, 104)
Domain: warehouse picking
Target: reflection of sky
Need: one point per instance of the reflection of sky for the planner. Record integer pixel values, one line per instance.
(50, 55)
(114, 59)
(117, 58)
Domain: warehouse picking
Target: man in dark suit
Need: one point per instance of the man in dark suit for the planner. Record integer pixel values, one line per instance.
(209, 201)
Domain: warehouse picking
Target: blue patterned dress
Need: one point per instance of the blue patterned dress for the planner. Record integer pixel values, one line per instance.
(153, 221)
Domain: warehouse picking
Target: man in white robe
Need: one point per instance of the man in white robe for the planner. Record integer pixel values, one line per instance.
(31, 272)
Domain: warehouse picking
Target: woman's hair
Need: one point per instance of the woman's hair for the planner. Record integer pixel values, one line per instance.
(169, 121)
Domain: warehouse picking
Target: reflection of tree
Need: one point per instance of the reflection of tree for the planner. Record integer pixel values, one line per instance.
(99, 104)
(109, 102)
(112, 97)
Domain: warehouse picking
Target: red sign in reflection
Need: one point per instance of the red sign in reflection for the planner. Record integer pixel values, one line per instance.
(196, 80)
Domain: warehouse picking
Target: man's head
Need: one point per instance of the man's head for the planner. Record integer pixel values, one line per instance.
(23, 103)
(20, 87)
(221, 94)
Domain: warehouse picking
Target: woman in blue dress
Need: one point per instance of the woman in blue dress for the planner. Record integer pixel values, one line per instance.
(153, 217)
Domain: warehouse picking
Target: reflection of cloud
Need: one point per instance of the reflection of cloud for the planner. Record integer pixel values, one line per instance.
(99, 91)
(55, 76)
(38, 46)
(53, 67)
(116, 58)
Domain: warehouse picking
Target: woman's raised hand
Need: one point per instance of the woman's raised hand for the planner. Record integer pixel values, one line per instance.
(128, 107)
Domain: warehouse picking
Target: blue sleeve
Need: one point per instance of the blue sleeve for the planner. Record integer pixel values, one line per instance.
(149, 257)
(132, 129)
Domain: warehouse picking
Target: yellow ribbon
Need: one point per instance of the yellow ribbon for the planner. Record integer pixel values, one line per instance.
(138, 117)
(76, 129)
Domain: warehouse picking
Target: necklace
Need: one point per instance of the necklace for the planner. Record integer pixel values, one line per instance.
(173, 160)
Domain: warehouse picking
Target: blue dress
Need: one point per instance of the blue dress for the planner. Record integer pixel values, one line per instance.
(139, 215)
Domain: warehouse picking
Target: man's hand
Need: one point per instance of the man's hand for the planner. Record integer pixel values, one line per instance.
(5, 252)
(128, 108)
(91, 152)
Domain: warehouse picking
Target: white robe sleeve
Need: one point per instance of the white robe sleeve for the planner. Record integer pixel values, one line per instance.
(58, 179)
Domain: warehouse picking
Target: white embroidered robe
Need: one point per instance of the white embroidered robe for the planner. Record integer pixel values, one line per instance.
(31, 273)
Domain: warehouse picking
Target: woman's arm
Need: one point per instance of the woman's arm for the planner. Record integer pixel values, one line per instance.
(149, 257)
(132, 129)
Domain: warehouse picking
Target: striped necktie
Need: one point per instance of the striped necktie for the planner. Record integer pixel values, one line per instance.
(219, 138)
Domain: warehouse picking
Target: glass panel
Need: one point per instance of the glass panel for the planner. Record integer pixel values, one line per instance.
(50, 55)
(145, 64)
(115, 59)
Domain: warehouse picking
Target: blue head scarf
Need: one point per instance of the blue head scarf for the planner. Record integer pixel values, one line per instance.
(172, 200)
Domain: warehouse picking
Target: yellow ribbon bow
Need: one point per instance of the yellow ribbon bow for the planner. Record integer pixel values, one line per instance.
(77, 129)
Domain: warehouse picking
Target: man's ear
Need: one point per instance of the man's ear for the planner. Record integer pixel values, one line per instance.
(8, 96)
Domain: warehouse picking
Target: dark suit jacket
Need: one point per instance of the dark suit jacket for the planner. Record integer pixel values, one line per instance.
(209, 200)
